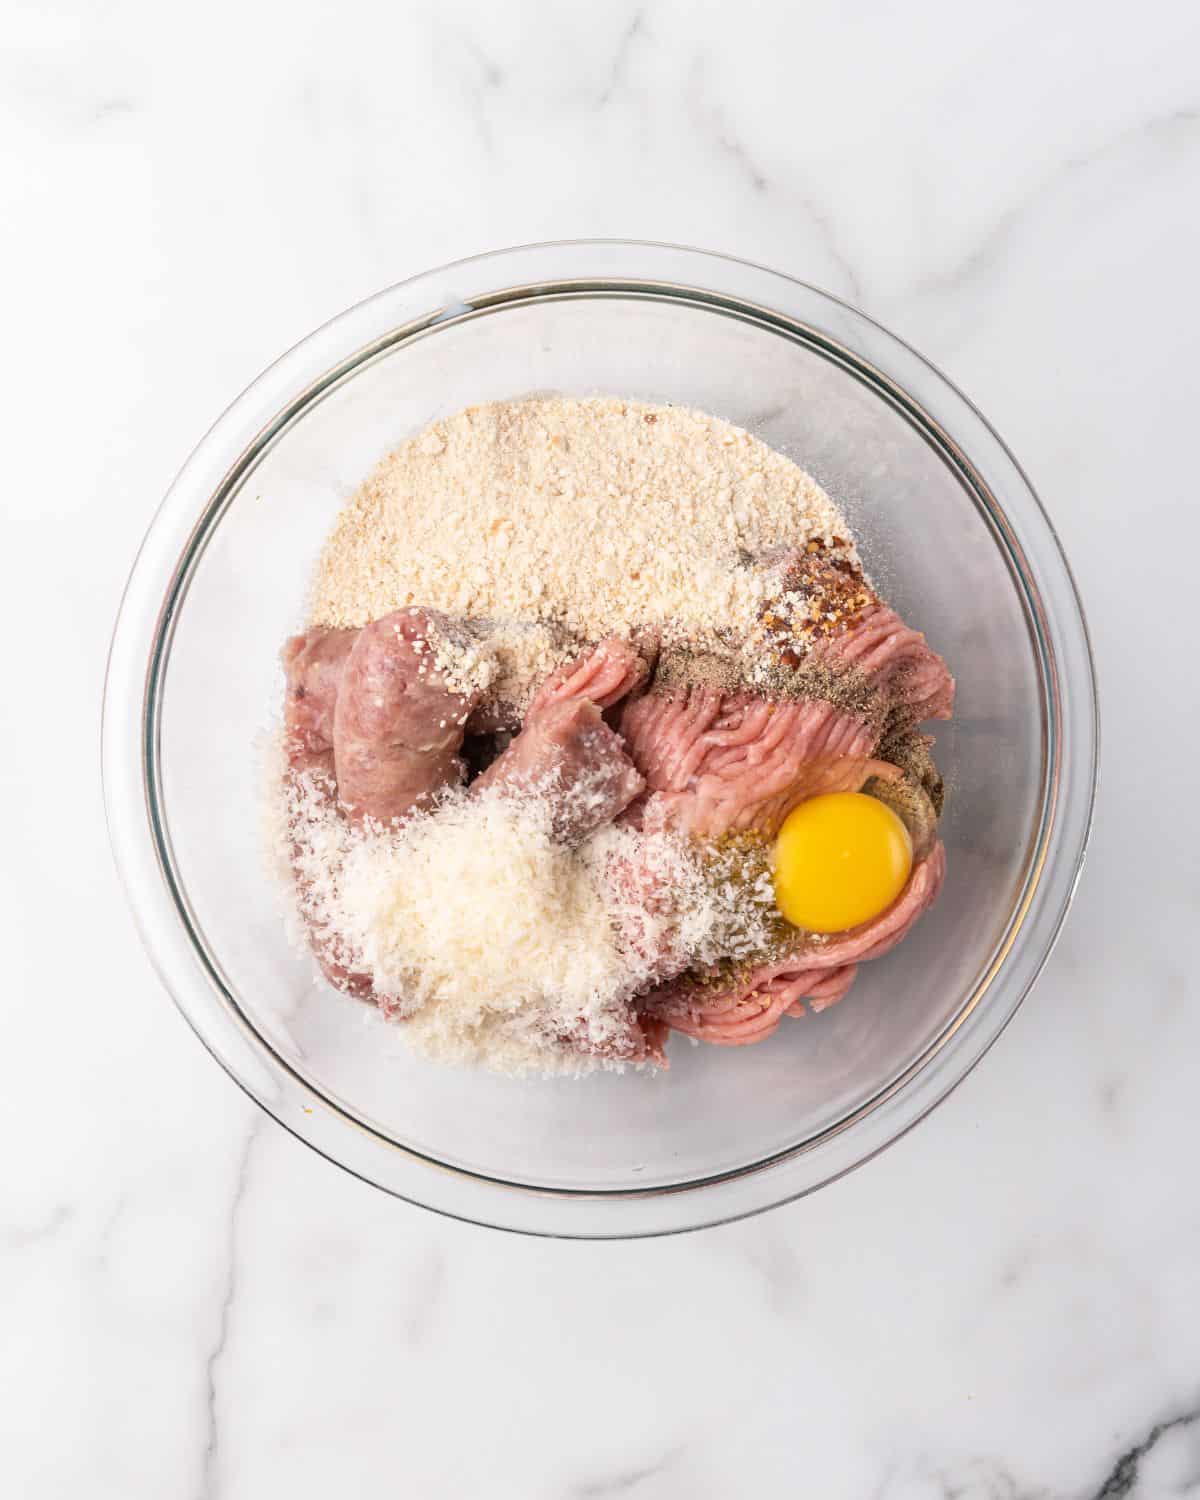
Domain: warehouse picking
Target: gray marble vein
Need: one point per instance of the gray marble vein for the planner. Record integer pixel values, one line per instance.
(633, 33)
(626, 1481)
(1124, 1476)
(1177, 131)
(216, 1352)
(481, 79)
(26, 1236)
(710, 117)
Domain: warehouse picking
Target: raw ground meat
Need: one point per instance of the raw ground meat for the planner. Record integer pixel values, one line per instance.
(371, 717)
(718, 763)
(897, 660)
(731, 762)
(314, 664)
(397, 726)
(819, 971)
(567, 754)
(609, 672)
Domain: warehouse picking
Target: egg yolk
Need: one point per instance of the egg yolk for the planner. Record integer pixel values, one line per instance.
(840, 859)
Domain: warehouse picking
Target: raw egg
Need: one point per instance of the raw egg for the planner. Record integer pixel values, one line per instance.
(840, 859)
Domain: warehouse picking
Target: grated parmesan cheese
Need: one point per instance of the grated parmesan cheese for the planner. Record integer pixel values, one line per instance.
(490, 941)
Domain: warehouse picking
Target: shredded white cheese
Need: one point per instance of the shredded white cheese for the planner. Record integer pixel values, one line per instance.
(491, 942)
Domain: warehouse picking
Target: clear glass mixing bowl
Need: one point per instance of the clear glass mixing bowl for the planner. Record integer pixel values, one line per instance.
(949, 527)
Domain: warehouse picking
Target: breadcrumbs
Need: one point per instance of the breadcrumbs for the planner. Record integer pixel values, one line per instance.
(565, 520)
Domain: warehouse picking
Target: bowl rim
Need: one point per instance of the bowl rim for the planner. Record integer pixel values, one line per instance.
(414, 308)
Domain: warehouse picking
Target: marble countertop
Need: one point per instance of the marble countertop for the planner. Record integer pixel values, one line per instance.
(1006, 1305)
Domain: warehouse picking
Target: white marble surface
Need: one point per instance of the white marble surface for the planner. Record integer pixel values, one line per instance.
(1007, 1304)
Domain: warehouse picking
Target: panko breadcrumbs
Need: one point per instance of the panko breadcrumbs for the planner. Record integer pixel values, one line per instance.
(564, 520)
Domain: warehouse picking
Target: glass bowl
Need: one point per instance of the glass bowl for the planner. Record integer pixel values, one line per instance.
(952, 533)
